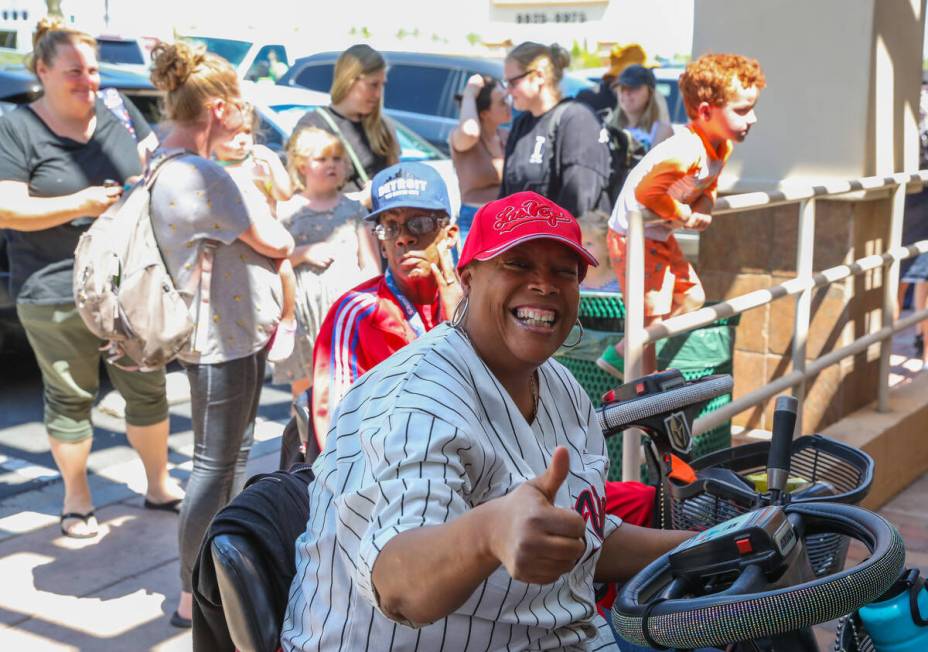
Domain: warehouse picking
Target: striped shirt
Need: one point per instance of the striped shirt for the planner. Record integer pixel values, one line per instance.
(425, 436)
(675, 172)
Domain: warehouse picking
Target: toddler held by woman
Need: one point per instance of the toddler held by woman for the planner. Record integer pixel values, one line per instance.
(263, 181)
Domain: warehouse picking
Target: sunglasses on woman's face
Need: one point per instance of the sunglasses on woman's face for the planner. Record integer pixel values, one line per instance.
(416, 225)
(512, 80)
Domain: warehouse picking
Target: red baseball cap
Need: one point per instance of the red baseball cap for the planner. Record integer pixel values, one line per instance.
(505, 223)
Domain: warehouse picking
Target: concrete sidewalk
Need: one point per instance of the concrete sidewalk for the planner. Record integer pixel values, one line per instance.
(113, 592)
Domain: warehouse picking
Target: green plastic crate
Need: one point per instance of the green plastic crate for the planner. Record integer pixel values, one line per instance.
(597, 309)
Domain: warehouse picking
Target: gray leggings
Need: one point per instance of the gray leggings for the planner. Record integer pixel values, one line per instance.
(224, 399)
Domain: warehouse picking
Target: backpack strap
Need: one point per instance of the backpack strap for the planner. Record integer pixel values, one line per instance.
(201, 330)
(355, 161)
(157, 162)
(553, 169)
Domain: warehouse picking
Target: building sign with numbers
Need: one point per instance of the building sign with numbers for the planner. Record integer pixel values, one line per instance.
(544, 12)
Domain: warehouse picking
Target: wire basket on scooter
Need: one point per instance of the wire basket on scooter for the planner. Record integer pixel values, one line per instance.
(821, 470)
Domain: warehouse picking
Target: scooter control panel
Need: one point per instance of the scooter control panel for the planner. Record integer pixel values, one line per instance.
(764, 537)
(645, 386)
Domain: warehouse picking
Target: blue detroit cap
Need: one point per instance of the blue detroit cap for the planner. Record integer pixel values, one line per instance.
(408, 185)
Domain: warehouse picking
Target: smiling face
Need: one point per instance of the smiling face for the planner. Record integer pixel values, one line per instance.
(410, 256)
(734, 119)
(522, 304)
(72, 78)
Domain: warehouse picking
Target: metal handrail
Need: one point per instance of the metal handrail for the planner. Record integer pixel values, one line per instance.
(801, 286)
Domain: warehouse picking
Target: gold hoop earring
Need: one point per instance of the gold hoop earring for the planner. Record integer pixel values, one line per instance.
(459, 312)
(579, 338)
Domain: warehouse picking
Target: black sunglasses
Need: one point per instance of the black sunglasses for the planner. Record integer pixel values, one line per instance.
(513, 80)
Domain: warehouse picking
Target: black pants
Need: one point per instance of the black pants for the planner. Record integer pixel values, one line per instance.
(224, 400)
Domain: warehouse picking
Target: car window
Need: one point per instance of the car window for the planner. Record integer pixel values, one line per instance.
(413, 147)
(419, 89)
(120, 52)
(316, 77)
(268, 135)
(8, 39)
(264, 68)
(148, 104)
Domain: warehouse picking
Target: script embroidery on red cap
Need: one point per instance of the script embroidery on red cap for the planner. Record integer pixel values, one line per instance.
(530, 210)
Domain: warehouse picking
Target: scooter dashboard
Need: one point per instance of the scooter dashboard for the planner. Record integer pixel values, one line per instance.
(763, 537)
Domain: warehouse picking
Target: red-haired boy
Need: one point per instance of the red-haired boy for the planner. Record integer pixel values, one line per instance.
(676, 181)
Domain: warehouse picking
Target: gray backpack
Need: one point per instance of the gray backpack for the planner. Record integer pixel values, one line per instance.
(122, 287)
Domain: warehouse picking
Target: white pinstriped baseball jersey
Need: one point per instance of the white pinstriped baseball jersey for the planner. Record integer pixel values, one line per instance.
(420, 439)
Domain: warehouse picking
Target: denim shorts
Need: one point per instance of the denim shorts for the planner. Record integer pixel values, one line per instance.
(918, 271)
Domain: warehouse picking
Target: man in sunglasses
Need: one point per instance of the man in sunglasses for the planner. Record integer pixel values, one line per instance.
(419, 290)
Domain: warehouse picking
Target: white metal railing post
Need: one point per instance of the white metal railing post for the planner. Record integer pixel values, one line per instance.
(633, 296)
(890, 292)
(805, 251)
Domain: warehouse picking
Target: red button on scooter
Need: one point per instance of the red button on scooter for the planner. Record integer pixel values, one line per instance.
(744, 546)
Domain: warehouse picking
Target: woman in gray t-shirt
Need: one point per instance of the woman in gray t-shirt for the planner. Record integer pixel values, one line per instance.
(220, 258)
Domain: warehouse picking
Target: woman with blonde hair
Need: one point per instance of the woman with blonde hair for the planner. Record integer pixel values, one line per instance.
(641, 110)
(63, 161)
(356, 117)
(221, 257)
(334, 250)
(557, 147)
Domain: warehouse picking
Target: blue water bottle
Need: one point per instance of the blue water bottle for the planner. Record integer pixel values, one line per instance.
(898, 621)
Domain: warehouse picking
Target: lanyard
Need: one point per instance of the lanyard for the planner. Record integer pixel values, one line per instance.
(412, 315)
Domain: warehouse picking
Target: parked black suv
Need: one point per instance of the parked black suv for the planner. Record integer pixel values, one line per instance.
(421, 87)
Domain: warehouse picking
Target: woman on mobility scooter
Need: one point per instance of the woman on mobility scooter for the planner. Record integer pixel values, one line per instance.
(459, 500)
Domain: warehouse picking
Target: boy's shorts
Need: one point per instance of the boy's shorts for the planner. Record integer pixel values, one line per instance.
(667, 272)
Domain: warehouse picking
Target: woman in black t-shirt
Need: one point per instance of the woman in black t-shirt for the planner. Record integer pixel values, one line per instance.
(63, 162)
(573, 170)
(356, 116)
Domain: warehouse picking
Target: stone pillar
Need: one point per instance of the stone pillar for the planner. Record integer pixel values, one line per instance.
(843, 82)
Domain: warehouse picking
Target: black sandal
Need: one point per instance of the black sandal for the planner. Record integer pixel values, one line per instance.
(180, 622)
(170, 506)
(80, 517)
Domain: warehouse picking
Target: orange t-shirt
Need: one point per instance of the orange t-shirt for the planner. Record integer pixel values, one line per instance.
(677, 171)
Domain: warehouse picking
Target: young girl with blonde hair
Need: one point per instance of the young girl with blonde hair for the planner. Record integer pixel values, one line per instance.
(334, 250)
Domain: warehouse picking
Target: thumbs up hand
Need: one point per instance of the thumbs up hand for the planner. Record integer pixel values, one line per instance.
(536, 541)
